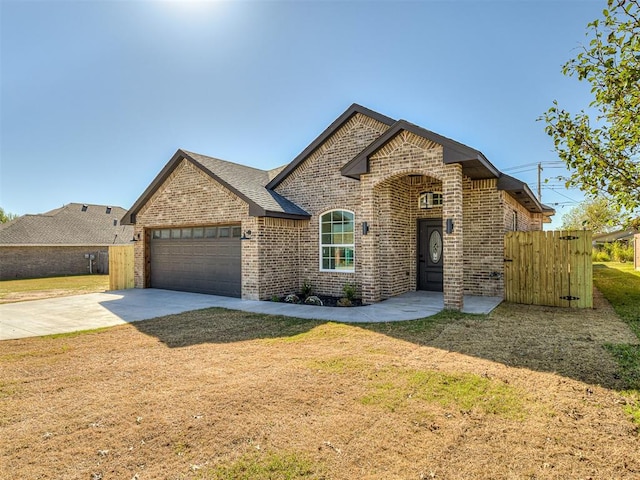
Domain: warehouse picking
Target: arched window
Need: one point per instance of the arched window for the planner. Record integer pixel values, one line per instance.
(336, 241)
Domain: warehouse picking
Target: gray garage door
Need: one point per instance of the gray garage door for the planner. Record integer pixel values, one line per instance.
(199, 259)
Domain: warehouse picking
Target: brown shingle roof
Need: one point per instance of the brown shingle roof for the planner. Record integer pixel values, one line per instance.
(73, 224)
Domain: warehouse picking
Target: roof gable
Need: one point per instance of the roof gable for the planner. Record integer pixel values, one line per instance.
(247, 183)
(73, 224)
(474, 164)
(330, 130)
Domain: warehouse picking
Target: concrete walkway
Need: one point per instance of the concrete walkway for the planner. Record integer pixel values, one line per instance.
(95, 310)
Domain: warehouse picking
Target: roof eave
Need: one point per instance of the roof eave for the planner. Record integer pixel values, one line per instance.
(518, 189)
(289, 216)
(453, 152)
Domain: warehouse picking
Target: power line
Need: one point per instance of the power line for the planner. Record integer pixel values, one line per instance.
(535, 165)
(563, 195)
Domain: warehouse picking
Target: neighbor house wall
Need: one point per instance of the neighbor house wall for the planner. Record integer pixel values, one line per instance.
(189, 197)
(49, 261)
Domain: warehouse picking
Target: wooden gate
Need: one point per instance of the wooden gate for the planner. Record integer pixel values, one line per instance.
(120, 267)
(549, 268)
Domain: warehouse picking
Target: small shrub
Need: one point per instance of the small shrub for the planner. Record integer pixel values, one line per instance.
(292, 298)
(275, 298)
(313, 300)
(621, 252)
(600, 256)
(349, 291)
(345, 302)
(307, 288)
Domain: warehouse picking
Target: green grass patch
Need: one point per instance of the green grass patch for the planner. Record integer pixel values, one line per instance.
(73, 283)
(464, 391)
(13, 357)
(423, 328)
(628, 358)
(8, 388)
(330, 330)
(620, 284)
(270, 466)
(339, 365)
(632, 408)
(76, 334)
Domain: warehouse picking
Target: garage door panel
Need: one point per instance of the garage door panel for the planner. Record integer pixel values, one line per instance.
(203, 265)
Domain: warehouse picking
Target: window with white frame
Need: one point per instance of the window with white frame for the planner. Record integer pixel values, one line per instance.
(430, 200)
(336, 241)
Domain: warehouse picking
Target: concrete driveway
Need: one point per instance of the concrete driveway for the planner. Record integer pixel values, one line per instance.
(95, 310)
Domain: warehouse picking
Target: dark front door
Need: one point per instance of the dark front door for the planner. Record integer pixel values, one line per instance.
(430, 276)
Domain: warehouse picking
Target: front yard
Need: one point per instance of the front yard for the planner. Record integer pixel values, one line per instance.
(48, 287)
(526, 392)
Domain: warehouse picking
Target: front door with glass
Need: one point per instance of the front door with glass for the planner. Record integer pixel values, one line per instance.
(430, 275)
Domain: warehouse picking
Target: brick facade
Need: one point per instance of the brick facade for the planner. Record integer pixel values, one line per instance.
(188, 197)
(284, 253)
(51, 261)
(317, 186)
(394, 235)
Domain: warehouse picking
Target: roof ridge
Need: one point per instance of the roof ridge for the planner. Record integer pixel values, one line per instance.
(350, 112)
(188, 152)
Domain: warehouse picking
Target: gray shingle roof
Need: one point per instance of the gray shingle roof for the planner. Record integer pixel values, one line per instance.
(68, 225)
(249, 182)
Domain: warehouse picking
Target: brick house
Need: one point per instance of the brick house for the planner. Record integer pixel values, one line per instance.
(61, 242)
(381, 204)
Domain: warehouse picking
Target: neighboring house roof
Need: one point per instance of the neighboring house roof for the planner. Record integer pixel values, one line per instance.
(75, 224)
(247, 183)
(614, 236)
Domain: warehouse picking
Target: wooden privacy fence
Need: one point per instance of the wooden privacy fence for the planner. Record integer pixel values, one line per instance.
(120, 267)
(549, 268)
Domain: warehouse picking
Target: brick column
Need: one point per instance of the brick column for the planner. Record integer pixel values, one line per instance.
(368, 243)
(139, 258)
(251, 260)
(452, 242)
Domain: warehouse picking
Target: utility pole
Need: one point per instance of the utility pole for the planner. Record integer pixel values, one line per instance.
(539, 186)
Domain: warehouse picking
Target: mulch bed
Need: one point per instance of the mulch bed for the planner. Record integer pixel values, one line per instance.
(328, 301)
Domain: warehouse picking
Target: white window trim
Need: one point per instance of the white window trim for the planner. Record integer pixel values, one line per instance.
(427, 200)
(350, 245)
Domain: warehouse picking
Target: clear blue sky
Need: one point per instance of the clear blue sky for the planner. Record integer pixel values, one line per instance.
(96, 96)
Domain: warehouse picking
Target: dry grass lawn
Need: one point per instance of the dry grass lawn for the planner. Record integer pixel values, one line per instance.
(525, 393)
